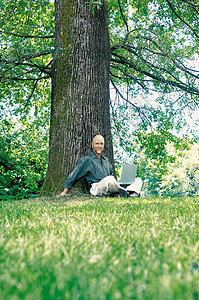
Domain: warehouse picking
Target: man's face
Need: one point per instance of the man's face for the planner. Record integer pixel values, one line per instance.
(98, 144)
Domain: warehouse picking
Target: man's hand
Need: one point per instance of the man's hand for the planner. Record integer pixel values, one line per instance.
(65, 191)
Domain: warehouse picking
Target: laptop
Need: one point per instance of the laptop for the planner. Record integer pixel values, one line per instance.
(128, 174)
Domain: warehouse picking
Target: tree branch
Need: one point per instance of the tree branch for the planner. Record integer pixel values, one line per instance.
(28, 35)
(41, 68)
(27, 57)
(24, 79)
(162, 52)
(181, 19)
(150, 65)
(195, 6)
(34, 87)
(8, 14)
(158, 78)
(139, 110)
(127, 76)
(123, 17)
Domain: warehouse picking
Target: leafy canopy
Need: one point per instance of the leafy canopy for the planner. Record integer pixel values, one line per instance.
(154, 48)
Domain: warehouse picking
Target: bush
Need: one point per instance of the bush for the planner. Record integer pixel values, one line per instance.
(23, 160)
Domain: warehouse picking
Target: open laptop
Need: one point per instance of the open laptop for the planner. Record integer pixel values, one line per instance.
(128, 174)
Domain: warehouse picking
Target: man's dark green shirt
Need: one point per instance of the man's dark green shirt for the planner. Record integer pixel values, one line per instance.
(90, 167)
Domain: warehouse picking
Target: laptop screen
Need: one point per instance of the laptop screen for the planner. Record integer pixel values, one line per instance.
(128, 174)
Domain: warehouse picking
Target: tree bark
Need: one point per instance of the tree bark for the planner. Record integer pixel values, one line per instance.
(80, 88)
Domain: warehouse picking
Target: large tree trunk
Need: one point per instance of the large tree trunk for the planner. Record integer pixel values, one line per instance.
(80, 88)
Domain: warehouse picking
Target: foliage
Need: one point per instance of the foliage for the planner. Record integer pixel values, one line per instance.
(159, 153)
(124, 125)
(23, 159)
(94, 4)
(155, 48)
(99, 249)
(152, 43)
(171, 172)
(182, 176)
(27, 33)
(25, 52)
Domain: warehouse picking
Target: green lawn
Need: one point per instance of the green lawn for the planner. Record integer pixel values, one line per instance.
(99, 248)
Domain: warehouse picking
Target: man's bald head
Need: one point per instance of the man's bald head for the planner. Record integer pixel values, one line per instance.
(96, 137)
(98, 144)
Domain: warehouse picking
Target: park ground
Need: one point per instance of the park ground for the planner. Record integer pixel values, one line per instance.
(82, 247)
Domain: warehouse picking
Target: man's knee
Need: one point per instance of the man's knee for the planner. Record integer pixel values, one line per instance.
(110, 179)
(138, 180)
(113, 186)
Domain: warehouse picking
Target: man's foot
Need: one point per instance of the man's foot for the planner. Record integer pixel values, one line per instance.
(124, 193)
(134, 194)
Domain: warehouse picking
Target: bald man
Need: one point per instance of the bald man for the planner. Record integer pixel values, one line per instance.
(97, 171)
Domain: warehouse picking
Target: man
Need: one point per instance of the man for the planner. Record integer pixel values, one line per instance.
(97, 171)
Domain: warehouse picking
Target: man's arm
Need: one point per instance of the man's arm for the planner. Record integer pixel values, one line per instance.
(79, 172)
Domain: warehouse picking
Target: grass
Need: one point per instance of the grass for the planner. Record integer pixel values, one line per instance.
(99, 248)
